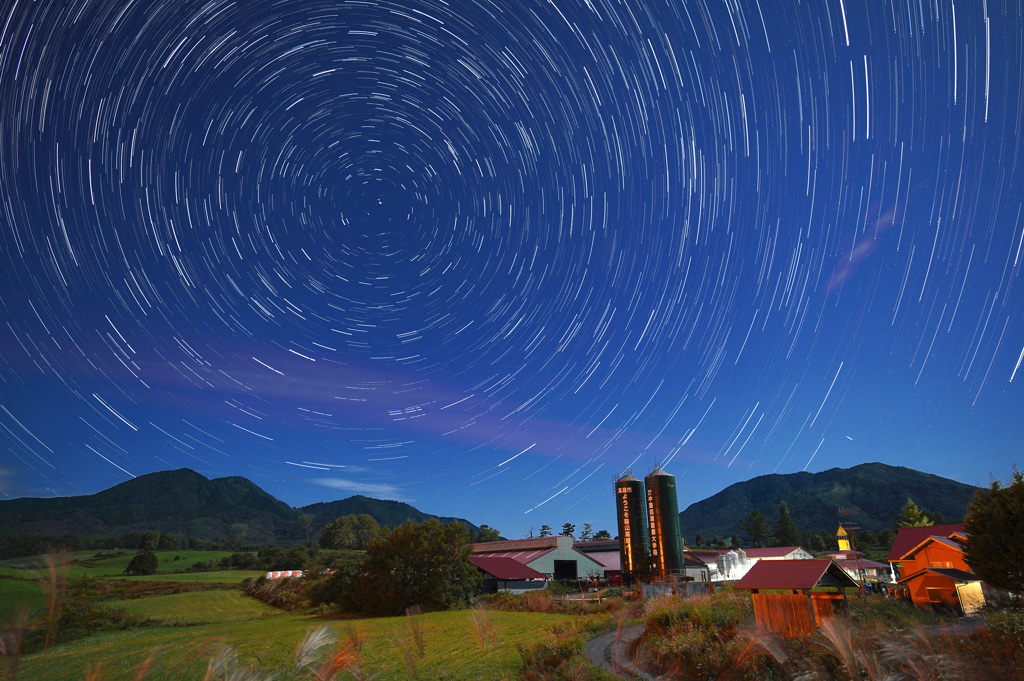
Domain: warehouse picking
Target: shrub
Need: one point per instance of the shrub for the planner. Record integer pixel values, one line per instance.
(889, 613)
(143, 563)
(559, 657)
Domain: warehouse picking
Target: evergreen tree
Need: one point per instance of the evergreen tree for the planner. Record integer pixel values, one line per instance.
(755, 526)
(602, 535)
(785, 532)
(545, 531)
(698, 540)
(588, 533)
(734, 541)
(568, 530)
(911, 516)
(995, 546)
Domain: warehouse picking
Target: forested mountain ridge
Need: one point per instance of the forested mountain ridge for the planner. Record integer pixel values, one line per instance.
(188, 504)
(871, 495)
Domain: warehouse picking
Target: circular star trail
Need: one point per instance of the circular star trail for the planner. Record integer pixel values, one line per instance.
(484, 257)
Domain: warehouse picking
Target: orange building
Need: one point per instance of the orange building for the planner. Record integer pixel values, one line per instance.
(935, 572)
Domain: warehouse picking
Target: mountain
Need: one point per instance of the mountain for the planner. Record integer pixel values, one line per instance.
(189, 505)
(871, 493)
(390, 513)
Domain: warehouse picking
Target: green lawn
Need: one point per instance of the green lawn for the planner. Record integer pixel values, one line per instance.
(16, 594)
(219, 577)
(451, 647)
(198, 607)
(86, 563)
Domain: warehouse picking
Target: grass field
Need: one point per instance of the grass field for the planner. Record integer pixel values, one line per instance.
(16, 594)
(451, 647)
(198, 607)
(85, 563)
(196, 626)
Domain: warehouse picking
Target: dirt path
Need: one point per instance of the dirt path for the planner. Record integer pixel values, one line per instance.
(609, 651)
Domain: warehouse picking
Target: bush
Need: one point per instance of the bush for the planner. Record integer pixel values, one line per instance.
(890, 613)
(287, 594)
(699, 637)
(560, 657)
(143, 563)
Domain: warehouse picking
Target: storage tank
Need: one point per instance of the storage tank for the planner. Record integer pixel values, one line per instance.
(663, 520)
(634, 546)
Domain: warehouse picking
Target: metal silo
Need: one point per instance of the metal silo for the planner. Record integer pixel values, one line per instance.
(633, 543)
(663, 518)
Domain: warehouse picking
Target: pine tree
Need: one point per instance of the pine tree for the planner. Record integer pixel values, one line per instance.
(545, 531)
(785, 532)
(755, 526)
(995, 546)
(911, 516)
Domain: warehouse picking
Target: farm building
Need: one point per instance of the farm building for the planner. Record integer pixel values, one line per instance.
(778, 553)
(859, 567)
(553, 557)
(934, 569)
(507, 574)
(607, 554)
(722, 564)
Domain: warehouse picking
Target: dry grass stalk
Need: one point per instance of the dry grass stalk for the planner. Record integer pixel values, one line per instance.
(483, 627)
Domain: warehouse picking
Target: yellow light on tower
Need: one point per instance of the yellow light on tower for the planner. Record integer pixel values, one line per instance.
(844, 539)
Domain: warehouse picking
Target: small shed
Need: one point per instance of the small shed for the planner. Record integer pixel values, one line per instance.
(801, 610)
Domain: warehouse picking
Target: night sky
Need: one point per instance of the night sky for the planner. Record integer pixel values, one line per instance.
(483, 257)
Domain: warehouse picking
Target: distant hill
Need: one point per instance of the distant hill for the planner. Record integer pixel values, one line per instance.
(390, 513)
(189, 505)
(873, 492)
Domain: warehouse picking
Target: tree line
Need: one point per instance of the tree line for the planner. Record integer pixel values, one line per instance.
(759, 531)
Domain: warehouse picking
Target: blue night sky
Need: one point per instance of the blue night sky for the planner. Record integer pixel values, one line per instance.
(484, 257)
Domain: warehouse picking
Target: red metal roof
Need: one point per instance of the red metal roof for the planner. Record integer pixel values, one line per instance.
(611, 560)
(523, 557)
(793, 574)
(909, 537)
(502, 567)
(934, 539)
(516, 545)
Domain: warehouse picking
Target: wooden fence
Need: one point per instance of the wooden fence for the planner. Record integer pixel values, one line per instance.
(795, 615)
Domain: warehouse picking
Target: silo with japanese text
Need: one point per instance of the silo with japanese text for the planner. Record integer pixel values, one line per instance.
(634, 546)
(666, 541)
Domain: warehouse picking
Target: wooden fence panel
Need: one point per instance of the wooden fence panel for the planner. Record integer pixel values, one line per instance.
(786, 614)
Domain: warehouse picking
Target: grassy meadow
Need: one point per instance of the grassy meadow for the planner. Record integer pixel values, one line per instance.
(168, 628)
(267, 641)
(186, 632)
